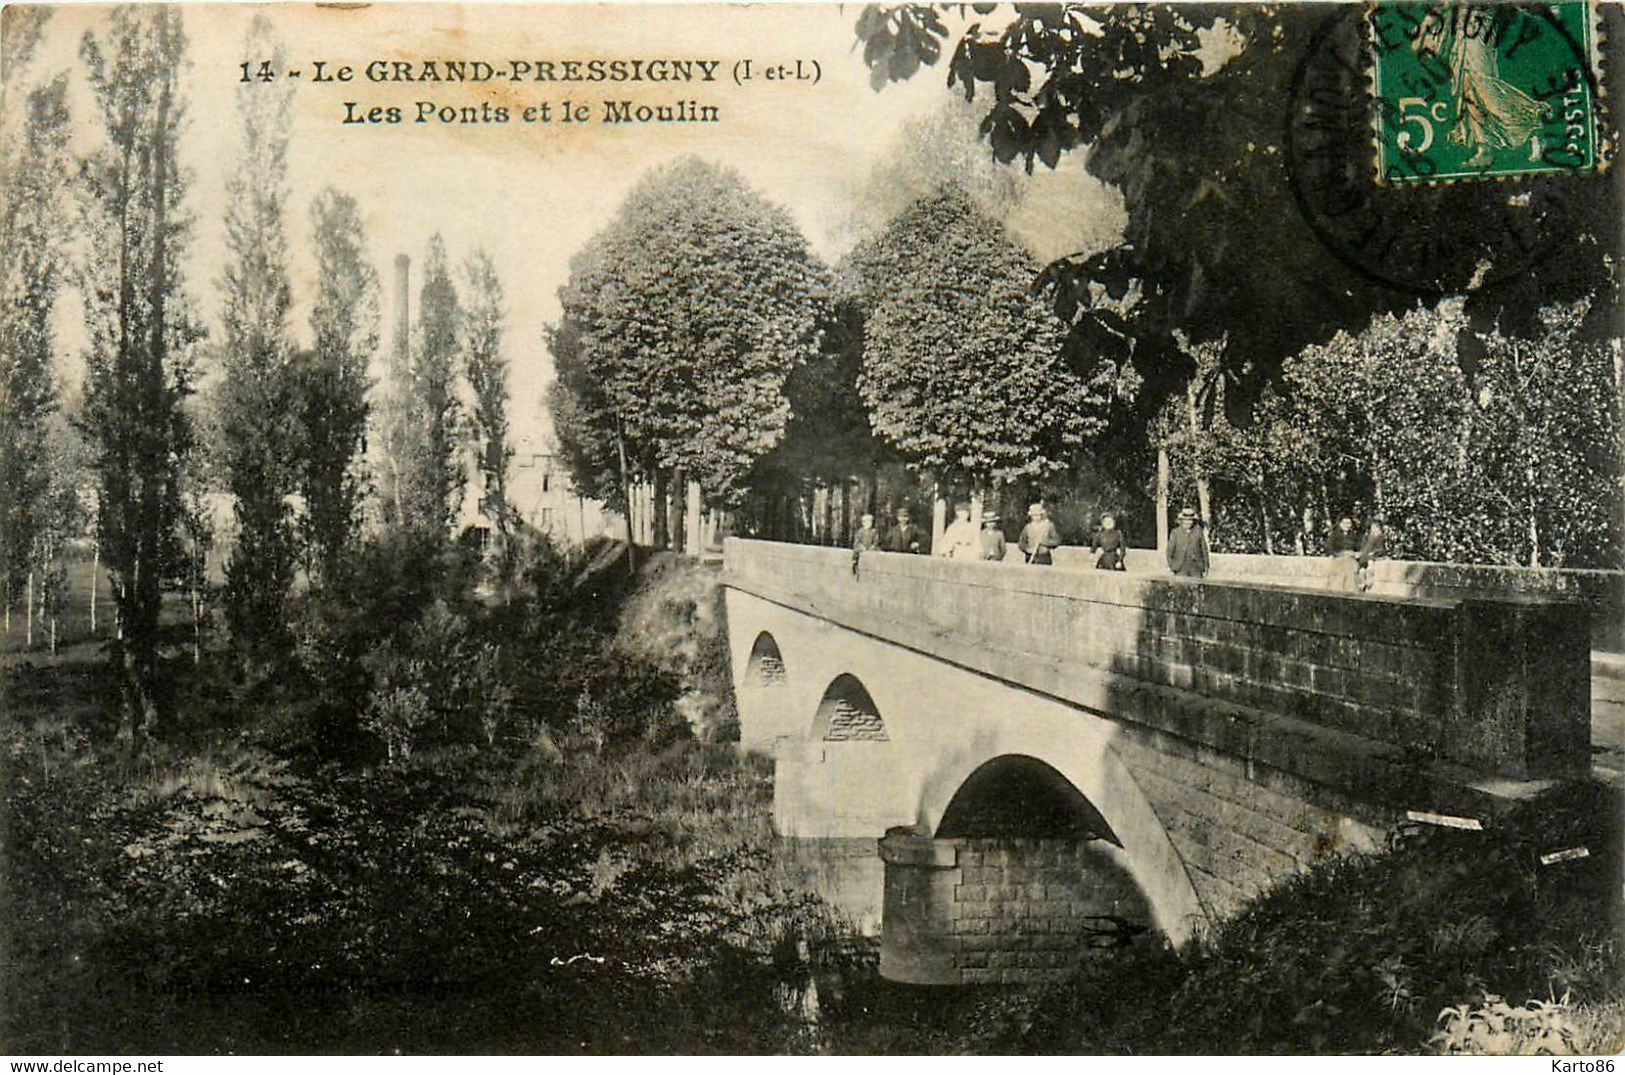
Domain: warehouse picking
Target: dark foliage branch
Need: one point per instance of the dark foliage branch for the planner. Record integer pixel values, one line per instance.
(1200, 157)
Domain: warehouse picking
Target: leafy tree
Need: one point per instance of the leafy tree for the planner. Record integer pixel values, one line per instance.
(424, 419)
(33, 173)
(257, 418)
(1200, 154)
(58, 517)
(484, 322)
(579, 407)
(962, 366)
(681, 321)
(1517, 464)
(331, 383)
(138, 369)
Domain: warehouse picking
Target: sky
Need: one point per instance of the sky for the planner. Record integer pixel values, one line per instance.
(532, 194)
(529, 194)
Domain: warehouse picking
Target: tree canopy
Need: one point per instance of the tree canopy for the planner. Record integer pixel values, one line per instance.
(963, 368)
(484, 324)
(34, 167)
(331, 383)
(1219, 211)
(1517, 465)
(681, 321)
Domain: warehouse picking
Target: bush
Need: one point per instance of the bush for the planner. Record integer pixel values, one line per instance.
(1361, 953)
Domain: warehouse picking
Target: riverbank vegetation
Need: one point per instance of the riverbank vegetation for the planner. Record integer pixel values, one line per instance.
(277, 874)
(598, 874)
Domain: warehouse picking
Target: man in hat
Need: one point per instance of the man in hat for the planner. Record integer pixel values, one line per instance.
(1344, 547)
(960, 541)
(992, 536)
(1039, 538)
(905, 536)
(1187, 547)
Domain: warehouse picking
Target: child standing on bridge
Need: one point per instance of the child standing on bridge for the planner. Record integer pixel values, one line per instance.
(1108, 545)
(1344, 547)
(992, 537)
(867, 539)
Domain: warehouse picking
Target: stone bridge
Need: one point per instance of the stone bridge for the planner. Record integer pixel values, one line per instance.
(1048, 761)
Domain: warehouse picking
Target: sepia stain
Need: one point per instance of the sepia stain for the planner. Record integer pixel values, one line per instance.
(1326, 844)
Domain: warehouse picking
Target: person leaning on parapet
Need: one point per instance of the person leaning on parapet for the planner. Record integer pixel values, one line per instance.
(992, 537)
(1039, 538)
(1374, 548)
(866, 539)
(1108, 545)
(960, 540)
(1344, 548)
(905, 536)
(1187, 547)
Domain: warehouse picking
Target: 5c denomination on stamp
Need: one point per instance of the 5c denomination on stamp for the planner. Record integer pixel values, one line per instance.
(1463, 91)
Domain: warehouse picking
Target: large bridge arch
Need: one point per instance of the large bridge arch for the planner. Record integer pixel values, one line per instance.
(1076, 747)
(1016, 796)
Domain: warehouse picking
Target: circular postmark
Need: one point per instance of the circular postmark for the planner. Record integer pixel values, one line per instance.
(1422, 233)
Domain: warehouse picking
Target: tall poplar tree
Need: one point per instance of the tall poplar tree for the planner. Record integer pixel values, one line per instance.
(138, 368)
(484, 323)
(330, 385)
(256, 413)
(33, 173)
(424, 423)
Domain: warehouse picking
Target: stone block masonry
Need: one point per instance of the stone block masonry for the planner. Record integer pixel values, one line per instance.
(971, 911)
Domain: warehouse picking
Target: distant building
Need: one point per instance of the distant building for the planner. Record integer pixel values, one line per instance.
(540, 492)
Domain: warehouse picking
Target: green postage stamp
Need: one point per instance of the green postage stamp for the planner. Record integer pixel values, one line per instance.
(1469, 90)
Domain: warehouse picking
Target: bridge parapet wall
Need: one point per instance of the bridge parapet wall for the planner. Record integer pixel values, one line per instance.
(1602, 592)
(1499, 686)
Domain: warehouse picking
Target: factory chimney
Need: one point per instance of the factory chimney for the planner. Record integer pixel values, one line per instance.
(403, 274)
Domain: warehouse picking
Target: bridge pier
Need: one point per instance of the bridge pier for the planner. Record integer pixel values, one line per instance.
(989, 910)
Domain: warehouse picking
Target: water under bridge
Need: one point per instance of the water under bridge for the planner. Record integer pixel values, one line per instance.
(1001, 766)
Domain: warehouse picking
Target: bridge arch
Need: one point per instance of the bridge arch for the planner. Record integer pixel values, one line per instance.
(1016, 796)
(765, 666)
(1062, 766)
(847, 713)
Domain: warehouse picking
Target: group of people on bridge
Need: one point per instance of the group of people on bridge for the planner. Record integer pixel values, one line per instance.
(1352, 553)
(962, 540)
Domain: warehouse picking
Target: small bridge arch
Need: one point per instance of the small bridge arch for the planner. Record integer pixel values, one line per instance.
(765, 666)
(847, 713)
